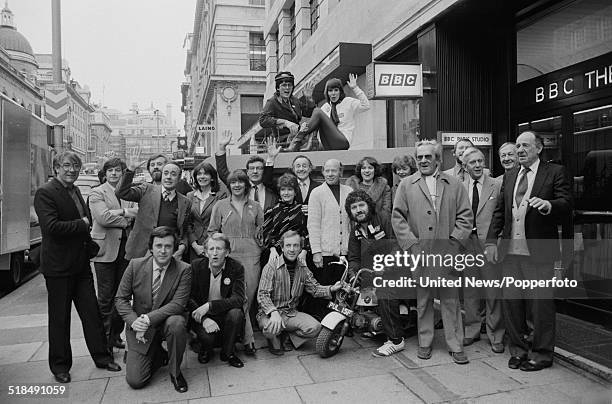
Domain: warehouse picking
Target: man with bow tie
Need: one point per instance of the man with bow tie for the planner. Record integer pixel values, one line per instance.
(157, 206)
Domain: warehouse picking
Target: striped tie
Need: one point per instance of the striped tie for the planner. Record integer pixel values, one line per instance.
(156, 284)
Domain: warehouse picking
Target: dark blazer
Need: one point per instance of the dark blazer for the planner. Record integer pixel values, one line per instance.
(232, 286)
(199, 221)
(274, 109)
(223, 172)
(298, 195)
(148, 197)
(550, 184)
(65, 234)
(134, 297)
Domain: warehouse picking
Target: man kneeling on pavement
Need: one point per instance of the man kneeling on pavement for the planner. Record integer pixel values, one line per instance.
(282, 282)
(217, 297)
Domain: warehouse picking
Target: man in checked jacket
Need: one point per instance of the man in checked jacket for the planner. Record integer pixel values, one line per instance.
(281, 285)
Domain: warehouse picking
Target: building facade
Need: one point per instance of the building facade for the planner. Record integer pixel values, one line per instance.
(225, 71)
(99, 147)
(490, 69)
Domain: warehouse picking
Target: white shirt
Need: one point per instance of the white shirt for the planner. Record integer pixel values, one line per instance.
(531, 174)
(202, 197)
(171, 194)
(431, 181)
(304, 185)
(261, 193)
(163, 272)
(471, 188)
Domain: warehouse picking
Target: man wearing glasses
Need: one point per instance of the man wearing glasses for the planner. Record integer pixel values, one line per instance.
(65, 223)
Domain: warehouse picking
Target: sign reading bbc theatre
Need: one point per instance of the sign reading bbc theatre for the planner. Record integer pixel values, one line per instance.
(391, 80)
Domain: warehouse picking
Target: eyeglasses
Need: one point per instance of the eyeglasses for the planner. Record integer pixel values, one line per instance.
(255, 169)
(68, 166)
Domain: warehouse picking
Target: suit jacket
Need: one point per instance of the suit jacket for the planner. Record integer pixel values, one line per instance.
(417, 220)
(65, 234)
(199, 221)
(541, 231)
(274, 109)
(108, 228)
(232, 286)
(148, 197)
(486, 206)
(298, 196)
(223, 171)
(134, 297)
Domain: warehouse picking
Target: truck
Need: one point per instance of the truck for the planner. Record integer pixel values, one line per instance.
(24, 166)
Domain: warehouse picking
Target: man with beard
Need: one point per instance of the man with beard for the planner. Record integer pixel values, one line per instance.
(155, 165)
(157, 206)
(372, 234)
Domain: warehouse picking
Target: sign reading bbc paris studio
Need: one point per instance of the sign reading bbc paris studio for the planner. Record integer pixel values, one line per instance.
(394, 80)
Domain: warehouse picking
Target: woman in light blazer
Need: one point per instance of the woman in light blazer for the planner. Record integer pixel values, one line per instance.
(112, 220)
(206, 194)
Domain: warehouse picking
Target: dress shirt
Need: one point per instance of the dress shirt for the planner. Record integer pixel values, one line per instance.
(261, 193)
(304, 185)
(531, 174)
(431, 181)
(202, 197)
(214, 288)
(171, 194)
(471, 187)
(161, 269)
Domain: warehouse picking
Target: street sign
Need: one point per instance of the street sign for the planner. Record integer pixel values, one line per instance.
(394, 80)
(205, 128)
(477, 139)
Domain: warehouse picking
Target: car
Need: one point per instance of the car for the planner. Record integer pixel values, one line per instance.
(86, 183)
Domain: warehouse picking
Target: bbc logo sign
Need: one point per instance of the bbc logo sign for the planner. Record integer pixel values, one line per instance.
(397, 80)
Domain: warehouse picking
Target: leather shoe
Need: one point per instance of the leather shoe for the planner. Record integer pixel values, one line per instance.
(110, 366)
(497, 347)
(286, 344)
(63, 377)
(275, 347)
(424, 352)
(232, 360)
(460, 358)
(470, 341)
(179, 382)
(532, 366)
(205, 356)
(117, 343)
(250, 349)
(516, 361)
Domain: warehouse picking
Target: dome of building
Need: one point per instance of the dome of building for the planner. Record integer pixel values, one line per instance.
(16, 44)
(13, 40)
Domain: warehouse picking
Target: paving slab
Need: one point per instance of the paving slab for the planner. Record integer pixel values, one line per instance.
(424, 386)
(536, 394)
(258, 375)
(78, 346)
(556, 373)
(21, 309)
(23, 321)
(583, 390)
(159, 390)
(347, 364)
(287, 395)
(18, 353)
(472, 380)
(373, 389)
(87, 391)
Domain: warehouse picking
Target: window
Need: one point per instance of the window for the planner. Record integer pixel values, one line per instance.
(257, 2)
(257, 51)
(292, 30)
(314, 15)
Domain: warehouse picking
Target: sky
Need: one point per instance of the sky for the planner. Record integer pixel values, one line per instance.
(131, 49)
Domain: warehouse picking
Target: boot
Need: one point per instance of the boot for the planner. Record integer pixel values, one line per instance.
(309, 143)
(296, 142)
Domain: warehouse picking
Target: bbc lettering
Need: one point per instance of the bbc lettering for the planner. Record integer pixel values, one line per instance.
(592, 81)
(397, 80)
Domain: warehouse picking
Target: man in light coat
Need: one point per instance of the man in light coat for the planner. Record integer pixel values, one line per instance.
(432, 214)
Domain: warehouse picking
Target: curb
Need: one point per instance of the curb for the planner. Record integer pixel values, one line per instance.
(580, 362)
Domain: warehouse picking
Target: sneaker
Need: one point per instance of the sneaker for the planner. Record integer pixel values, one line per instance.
(389, 348)
(424, 352)
(460, 358)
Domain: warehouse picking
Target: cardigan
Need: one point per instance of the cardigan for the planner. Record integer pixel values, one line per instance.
(328, 222)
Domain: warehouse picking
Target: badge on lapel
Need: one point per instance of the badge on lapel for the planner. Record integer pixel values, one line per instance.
(226, 281)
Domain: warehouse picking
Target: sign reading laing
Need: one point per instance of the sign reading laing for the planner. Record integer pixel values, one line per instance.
(397, 80)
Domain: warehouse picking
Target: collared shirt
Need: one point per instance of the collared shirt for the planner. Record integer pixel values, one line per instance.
(518, 240)
(431, 181)
(203, 197)
(170, 194)
(161, 269)
(214, 288)
(304, 185)
(261, 194)
(276, 291)
(531, 174)
(471, 187)
(73, 194)
(459, 172)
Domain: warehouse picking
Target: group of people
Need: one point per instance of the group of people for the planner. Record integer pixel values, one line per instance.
(236, 250)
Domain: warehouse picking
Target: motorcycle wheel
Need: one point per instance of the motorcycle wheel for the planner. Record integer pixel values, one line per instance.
(330, 341)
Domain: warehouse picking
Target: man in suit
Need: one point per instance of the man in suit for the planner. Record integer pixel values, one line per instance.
(217, 297)
(255, 169)
(111, 220)
(458, 171)
(535, 198)
(65, 253)
(152, 299)
(157, 206)
(482, 192)
(155, 164)
(431, 214)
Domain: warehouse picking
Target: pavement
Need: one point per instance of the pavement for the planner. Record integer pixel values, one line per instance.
(352, 376)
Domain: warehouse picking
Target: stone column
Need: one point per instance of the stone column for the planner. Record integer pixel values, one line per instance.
(302, 23)
(284, 39)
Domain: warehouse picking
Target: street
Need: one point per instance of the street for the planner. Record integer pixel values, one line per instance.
(352, 376)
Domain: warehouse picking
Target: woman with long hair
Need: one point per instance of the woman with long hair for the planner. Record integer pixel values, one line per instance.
(239, 218)
(206, 194)
(368, 178)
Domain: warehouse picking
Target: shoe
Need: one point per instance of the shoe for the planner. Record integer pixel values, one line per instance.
(250, 349)
(110, 366)
(483, 327)
(533, 366)
(232, 360)
(63, 377)
(179, 382)
(205, 356)
(497, 348)
(424, 352)
(460, 358)
(470, 341)
(118, 343)
(308, 145)
(275, 350)
(296, 143)
(516, 361)
(388, 348)
(285, 341)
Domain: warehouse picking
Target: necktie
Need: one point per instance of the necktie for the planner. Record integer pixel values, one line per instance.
(521, 189)
(166, 196)
(156, 284)
(475, 200)
(256, 193)
(303, 190)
